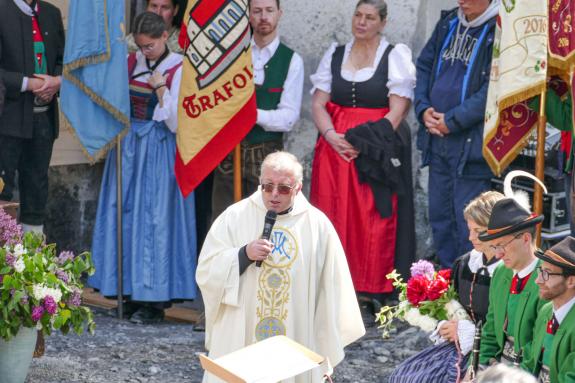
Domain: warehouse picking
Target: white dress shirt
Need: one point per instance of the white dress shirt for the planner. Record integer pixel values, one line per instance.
(400, 72)
(527, 270)
(562, 311)
(283, 118)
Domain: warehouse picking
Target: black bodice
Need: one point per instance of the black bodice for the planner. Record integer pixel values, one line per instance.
(372, 93)
(473, 288)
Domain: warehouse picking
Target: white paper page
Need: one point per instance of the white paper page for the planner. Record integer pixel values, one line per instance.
(268, 361)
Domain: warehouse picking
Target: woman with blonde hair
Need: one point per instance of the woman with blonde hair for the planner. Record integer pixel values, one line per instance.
(471, 276)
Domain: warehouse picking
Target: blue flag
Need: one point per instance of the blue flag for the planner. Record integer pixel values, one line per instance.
(94, 95)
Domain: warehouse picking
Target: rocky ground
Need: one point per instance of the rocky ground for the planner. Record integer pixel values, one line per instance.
(124, 352)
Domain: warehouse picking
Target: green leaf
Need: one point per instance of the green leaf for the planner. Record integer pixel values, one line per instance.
(58, 322)
(66, 314)
(8, 281)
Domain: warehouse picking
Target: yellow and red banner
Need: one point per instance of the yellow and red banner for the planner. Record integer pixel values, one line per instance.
(518, 72)
(217, 105)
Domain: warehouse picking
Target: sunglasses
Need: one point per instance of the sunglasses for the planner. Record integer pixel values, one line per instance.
(282, 189)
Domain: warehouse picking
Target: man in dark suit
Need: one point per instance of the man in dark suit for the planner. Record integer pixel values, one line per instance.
(31, 53)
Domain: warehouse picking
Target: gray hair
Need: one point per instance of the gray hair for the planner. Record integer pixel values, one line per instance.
(283, 162)
(380, 5)
(501, 373)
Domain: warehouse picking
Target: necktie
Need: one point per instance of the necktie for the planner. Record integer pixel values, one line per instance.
(552, 325)
(517, 284)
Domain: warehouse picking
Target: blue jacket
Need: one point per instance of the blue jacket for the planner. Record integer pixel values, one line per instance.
(466, 120)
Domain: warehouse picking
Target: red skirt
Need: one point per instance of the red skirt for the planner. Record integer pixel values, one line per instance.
(368, 239)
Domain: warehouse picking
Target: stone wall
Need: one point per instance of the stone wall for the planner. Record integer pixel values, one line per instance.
(72, 203)
(309, 27)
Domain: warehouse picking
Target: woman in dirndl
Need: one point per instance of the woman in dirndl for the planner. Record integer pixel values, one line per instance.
(159, 228)
(367, 79)
(471, 274)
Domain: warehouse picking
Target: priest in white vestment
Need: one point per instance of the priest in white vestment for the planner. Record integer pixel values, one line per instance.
(303, 288)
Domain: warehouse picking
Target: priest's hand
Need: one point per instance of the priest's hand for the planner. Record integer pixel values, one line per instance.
(259, 250)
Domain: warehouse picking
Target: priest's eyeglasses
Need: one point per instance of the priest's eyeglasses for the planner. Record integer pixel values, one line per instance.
(282, 189)
(546, 274)
(501, 247)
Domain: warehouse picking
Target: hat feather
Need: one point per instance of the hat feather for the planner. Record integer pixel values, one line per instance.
(520, 196)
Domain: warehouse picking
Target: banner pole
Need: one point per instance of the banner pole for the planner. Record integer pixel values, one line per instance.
(119, 200)
(540, 161)
(237, 173)
(119, 237)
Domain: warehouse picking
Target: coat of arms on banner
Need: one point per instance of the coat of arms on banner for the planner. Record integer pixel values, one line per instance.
(217, 103)
(217, 39)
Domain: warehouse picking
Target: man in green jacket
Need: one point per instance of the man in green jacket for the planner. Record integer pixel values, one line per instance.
(513, 296)
(551, 354)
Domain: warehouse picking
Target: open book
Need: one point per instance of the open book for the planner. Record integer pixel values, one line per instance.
(268, 361)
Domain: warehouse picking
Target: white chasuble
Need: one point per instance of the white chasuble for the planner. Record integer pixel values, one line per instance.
(303, 290)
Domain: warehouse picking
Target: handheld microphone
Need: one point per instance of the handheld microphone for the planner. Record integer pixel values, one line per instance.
(268, 226)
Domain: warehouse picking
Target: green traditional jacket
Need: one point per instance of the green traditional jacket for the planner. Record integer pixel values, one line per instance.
(493, 334)
(559, 114)
(562, 362)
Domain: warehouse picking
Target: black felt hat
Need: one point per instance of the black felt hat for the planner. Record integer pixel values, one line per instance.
(508, 217)
(562, 255)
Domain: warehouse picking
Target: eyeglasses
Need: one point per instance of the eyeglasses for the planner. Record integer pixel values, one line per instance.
(546, 274)
(148, 47)
(282, 189)
(501, 247)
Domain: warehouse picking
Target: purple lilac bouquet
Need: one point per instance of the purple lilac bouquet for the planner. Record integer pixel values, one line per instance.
(38, 287)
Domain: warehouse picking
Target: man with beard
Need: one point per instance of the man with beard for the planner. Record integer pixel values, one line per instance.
(278, 75)
(551, 355)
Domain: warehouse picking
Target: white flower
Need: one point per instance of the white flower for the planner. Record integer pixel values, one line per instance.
(412, 316)
(427, 323)
(39, 326)
(424, 322)
(403, 305)
(19, 250)
(40, 292)
(19, 265)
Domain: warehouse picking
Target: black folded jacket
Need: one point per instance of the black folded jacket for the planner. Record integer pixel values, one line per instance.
(379, 162)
